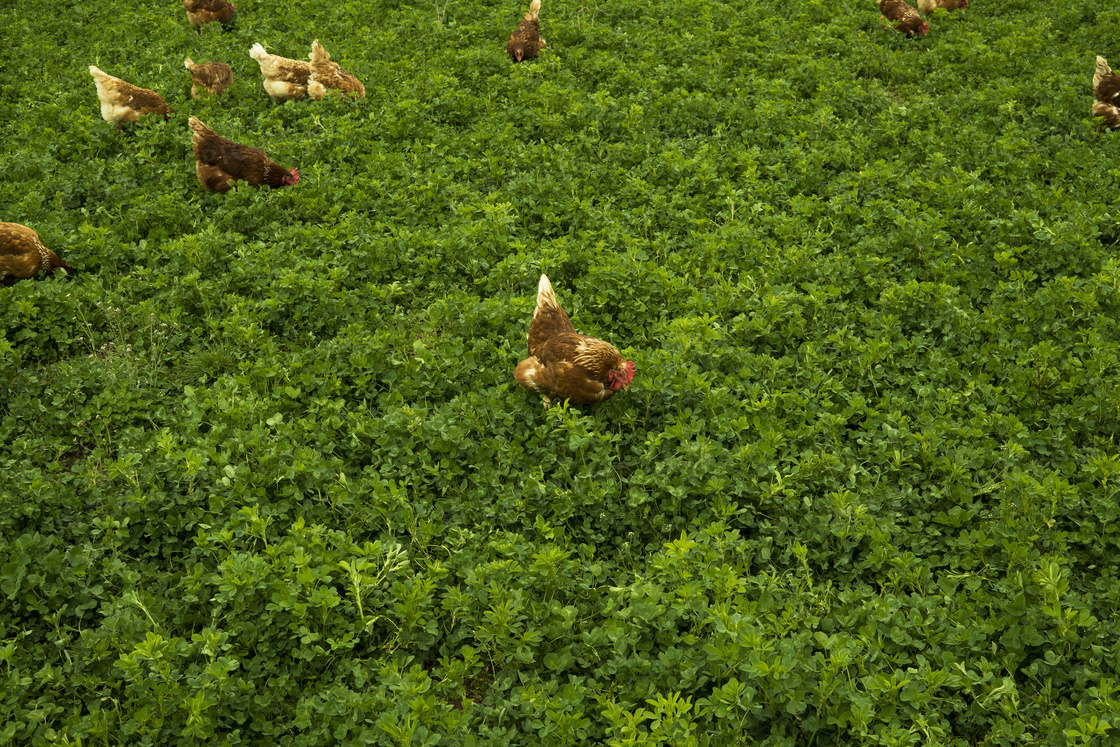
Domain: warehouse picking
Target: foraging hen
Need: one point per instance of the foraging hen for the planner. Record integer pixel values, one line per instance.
(124, 102)
(1106, 92)
(218, 161)
(202, 12)
(328, 75)
(525, 42)
(903, 17)
(22, 255)
(565, 364)
(213, 77)
(284, 79)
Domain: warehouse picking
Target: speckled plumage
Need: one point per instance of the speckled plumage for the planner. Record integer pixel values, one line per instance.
(213, 77)
(903, 17)
(22, 254)
(565, 364)
(327, 75)
(525, 42)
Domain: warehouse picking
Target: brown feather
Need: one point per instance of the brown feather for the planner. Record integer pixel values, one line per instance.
(22, 255)
(1110, 113)
(213, 77)
(563, 363)
(1106, 84)
(124, 102)
(327, 75)
(218, 161)
(201, 12)
(903, 17)
(285, 79)
(525, 42)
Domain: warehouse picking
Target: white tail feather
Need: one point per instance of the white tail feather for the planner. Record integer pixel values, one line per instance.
(534, 9)
(545, 294)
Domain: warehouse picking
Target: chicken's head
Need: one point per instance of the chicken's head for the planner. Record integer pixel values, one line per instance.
(518, 51)
(619, 378)
(923, 29)
(291, 178)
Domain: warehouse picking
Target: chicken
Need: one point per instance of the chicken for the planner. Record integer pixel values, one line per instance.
(328, 75)
(217, 161)
(124, 102)
(214, 77)
(903, 17)
(22, 255)
(202, 12)
(284, 79)
(525, 42)
(565, 364)
(1106, 91)
(928, 6)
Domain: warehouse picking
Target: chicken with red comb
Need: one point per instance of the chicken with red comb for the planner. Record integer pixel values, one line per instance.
(564, 364)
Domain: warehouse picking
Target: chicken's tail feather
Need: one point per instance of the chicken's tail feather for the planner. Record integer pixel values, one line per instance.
(187, 63)
(1102, 70)
(534, 10)
(318, 54)
(546, 297)
(257, 52)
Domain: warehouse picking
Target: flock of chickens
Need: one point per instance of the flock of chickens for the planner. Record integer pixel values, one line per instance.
(562, 363)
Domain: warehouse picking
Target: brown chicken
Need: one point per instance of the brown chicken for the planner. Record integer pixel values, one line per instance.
(202, 12)
(928, 6)
(328, 75)
(284, 79)
(565, 364)
(899, 15)
(525, 42)
(123, 102)
(22, 255)
(213, 77)
(1106, 91)
(218, 161)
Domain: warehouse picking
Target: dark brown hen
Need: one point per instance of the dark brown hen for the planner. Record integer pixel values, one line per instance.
(525, 42)
(219, 161)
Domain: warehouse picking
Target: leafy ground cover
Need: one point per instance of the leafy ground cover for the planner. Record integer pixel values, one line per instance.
(265, 477)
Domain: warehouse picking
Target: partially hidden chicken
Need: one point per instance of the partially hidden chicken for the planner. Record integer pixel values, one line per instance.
(22, 255)
(284, 79)
(202, 12)
(219, 161)
(565, 364)
(327, 75)
(212, 77)
(928, 6)
(898, 14)
(525, 42)
(123, 102)
(1106, 92)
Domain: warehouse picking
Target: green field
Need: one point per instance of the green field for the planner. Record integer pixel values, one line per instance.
(266, 478)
